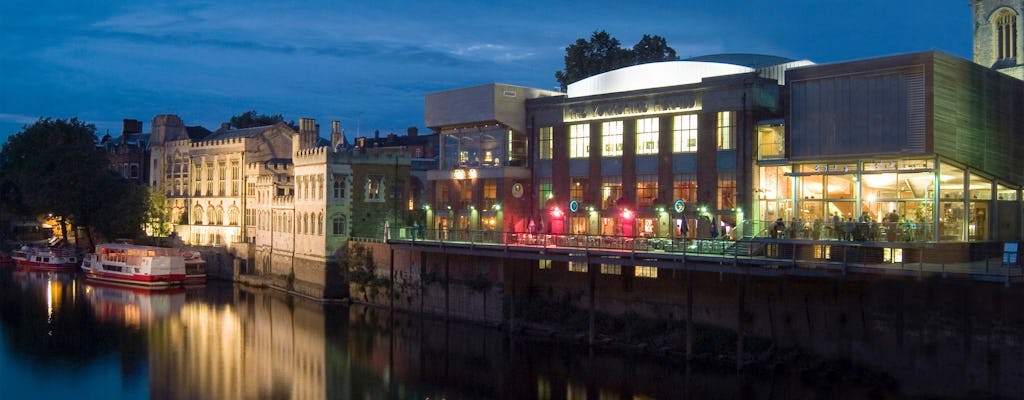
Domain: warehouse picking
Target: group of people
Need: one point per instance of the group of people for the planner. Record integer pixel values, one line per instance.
(836, 227)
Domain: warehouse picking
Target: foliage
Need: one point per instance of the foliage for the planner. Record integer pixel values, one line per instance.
(602, 53)
(363, 272)
(53, 167)
(252, 118)
(157, 218)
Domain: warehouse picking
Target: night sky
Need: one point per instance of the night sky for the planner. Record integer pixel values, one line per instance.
(369, 64)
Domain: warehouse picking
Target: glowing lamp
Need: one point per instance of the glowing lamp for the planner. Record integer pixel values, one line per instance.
(556, 212)
(627, 214)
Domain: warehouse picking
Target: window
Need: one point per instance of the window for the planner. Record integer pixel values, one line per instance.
(233, 215)
(726, 191)
(611, 269)
(544, 192)
(250, 189)
(197, 215)
(209, 179)
(338, 225)
(646, 190)
(1006, 35)
(611, 138)
(684, 133)
(611, 190)
(339, 186)
(684, 187)
(578, 189)
(236, 178)
(579, 141)
(222, 174)
(645, 272)
(647, 136)
(544, 264)
(726, 123)
(133, 171)
(375, 188)
(544, 143)
(490, 193)
(576, 266)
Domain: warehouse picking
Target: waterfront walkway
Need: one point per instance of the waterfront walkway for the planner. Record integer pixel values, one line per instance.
(979, 261)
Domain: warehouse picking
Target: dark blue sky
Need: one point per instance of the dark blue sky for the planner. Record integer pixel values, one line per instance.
(370, 64)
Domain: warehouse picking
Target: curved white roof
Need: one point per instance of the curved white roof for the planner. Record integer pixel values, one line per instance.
(653, 75)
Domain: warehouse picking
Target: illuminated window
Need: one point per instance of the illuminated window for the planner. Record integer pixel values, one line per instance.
(646, 190)
(1006, 34)
(222, 176)
(578, 189)
(579, 141)
(611, 138)
(611, 269)
(236, 179)
(647, 136)
(233, 215)
(726, 123)
(490, 192)
(684, 133)
(544, 264)
(544, 192)
(544, 143)
(684, 187)
(576, 266)
(611, 190)
(726, 190)
(209, 179)
(645, 272)
(197, 215)
(375, 188)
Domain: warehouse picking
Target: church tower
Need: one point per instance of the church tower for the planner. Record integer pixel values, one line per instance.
(997, 35)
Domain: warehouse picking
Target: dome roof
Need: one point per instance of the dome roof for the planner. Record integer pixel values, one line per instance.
(751, 60)
(652, 75)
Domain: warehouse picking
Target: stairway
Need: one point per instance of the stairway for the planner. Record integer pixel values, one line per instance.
(745, 246)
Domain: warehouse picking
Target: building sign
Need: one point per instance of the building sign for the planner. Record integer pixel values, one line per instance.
(517, 190)
(679, 206)
(638, 107)
(574, 206)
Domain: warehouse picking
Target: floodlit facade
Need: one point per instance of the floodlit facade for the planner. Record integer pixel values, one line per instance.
(913, 147)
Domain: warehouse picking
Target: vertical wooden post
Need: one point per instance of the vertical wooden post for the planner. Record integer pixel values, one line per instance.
(740, 294)
(591, 277)
(689, 315)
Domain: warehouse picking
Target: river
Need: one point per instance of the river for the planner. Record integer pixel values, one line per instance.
(64, 337)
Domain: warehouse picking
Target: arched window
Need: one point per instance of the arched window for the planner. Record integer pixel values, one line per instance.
(320, 224)
(1005, 22)
(338, 224)
(197, 215)
(233, 215)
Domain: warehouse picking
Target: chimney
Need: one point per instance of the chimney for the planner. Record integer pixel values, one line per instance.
(308, 131)
(131, 126)
(336, 137)
(412, 131)
(376, 135)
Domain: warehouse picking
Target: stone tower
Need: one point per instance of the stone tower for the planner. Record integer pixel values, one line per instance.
(997, 35)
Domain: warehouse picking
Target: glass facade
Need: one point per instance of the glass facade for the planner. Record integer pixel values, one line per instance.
(881, 200)
(482, 147)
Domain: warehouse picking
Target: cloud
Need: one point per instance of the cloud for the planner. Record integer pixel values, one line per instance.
(17, 119)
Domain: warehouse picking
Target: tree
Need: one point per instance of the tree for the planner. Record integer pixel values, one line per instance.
(54, 167)
(602, 53)
(652, 49)
(252, 118)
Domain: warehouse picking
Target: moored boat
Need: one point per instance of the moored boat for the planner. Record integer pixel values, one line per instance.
(131, 264)
(45, 259)
(195, 268)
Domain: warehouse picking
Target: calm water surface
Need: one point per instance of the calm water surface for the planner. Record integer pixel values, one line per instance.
(63, 337)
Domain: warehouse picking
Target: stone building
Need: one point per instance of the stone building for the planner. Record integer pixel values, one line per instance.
(997, 35)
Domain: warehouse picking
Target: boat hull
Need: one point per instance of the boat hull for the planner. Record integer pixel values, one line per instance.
(48, 267)
(149, 281)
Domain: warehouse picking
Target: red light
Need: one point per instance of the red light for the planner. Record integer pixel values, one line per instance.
(556, 212)
(626, 214)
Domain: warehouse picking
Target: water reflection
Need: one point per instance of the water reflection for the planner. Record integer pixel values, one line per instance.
(222, 342)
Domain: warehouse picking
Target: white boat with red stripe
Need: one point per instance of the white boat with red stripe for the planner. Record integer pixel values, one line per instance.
(137, 265)
(45, 259)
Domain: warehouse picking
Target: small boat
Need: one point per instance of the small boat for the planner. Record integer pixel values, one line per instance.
(45, 259)
(135, 265)
(195, 268)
